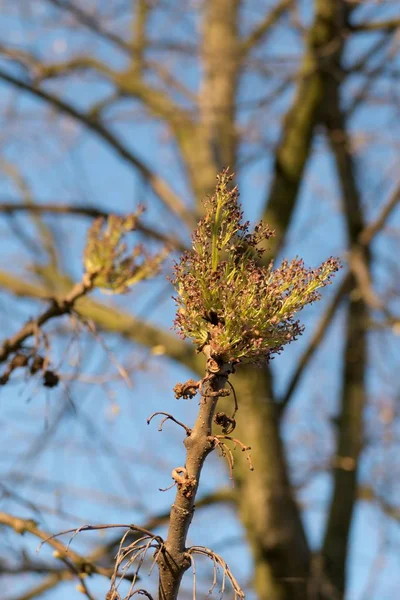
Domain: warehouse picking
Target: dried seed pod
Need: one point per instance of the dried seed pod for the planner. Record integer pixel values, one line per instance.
(50, 379)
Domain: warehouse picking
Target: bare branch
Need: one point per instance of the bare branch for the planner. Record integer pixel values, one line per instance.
(72, 559)
(202, 550)
(385, 26)
(158, 185)
(371, 230)
(86, 211)
(263, 27)
(113, 320)
(92, 24)
(57, 308)
(168, 417)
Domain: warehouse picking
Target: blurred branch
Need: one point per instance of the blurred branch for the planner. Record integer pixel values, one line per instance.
(72, 559)
(368, 494)
(140, 21)
(114, 321)
(92, 24)
(44, 586)
(158, 185)
(364, 239)
(263, 28)
(86, 211)
(57, 308)
(323, 43)
(350, 435)
(45, 234)
(370, 231)
(371, 76)
(387, 26)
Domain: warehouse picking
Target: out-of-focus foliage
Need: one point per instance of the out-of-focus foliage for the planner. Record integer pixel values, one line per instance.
(107, 258)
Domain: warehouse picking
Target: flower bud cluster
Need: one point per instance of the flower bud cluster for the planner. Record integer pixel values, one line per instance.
(114, 266)
(245, 311)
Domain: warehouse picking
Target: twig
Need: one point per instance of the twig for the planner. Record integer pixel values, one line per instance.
(168, 417)
(364, 239)
(193, 563)
(86, 211)
(235, 399)
(237, 442)
(226, 453)
(100, 527)
(202, 550)
(79, 563)
(57, 308)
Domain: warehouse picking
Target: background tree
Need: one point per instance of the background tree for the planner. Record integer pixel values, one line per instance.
(108, 105)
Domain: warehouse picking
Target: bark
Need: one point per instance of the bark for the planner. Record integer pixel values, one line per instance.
(292, 153)
(173, 560)
(266, 502)
(353, 395)
(212, 144)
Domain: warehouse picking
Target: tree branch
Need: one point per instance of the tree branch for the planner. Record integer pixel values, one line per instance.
(86, 211)
(364, 239)
(173, 558)
(323, 44)
(386, 26)
(44, 586)
(113, 320)
(158, 185)
(263, 28)
(57, 308)
(92, 24)
(353, 394)
(80, 564)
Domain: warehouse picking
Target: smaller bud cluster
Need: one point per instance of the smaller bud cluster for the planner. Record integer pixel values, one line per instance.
(115, 268)
(227, 298)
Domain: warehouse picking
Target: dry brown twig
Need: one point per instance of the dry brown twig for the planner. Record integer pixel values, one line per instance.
(168, 417)
(75, 562)
(226, 452)
(226, 572)
(56, 309)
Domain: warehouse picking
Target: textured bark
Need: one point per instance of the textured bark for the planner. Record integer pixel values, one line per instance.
(353, 395)
(212, 144)
(293, 150)
(266, 502)
(174, 560)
